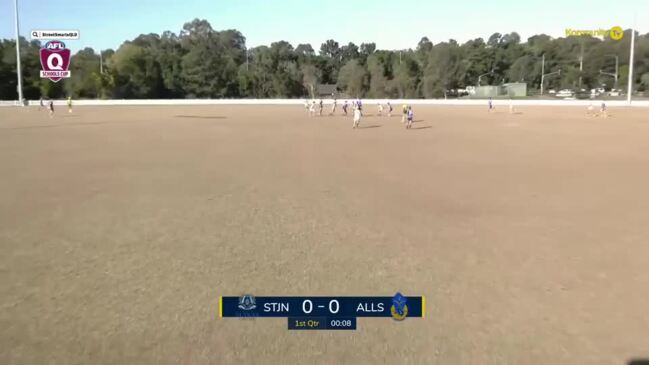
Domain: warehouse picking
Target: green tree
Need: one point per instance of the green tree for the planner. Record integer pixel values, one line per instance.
(376, 65)
(353, 78)
(82, 82)
(136, 73)
(310, 78)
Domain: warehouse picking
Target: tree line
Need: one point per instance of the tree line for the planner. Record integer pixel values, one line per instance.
(201, 62)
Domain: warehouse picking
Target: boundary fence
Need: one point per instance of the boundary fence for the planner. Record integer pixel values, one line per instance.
(395, 102)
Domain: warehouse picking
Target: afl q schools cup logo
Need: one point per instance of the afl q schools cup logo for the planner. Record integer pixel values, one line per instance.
(55, 60)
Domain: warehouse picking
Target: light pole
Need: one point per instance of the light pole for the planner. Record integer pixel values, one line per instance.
(480, 77)
(616, 74)
(101, 63)
(543, 74)
(18, 69)
(548, 74)
(628, 97)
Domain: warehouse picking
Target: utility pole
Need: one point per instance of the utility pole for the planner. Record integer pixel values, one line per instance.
(246, 58)
(18, 69)
(101, 63)
(628, 97)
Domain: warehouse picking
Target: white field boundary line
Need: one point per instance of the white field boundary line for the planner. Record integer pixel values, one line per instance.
(396, 103)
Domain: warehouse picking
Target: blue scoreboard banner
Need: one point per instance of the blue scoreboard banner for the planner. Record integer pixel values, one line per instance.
(323, 312)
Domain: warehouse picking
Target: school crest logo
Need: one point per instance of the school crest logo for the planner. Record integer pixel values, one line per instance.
(247, 302)
(399, 309)
(55, 61)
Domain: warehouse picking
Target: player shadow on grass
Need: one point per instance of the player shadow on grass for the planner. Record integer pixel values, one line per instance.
(369, 126)
(424, 127)
(199, 116)
(639, 361)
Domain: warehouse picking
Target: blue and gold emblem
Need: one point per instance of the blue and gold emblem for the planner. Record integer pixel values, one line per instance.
(247, 302)
(399, 308)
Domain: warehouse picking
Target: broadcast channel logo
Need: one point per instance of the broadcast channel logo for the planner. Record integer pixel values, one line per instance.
(55, 61)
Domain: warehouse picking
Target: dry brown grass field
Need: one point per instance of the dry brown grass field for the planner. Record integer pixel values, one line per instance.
(121, 226)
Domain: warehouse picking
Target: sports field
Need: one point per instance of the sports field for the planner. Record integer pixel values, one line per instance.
(121, 226)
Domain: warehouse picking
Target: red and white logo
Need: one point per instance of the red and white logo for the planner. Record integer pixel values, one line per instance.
(55, 60)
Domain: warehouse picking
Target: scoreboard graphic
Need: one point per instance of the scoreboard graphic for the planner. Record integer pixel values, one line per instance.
(322, 313)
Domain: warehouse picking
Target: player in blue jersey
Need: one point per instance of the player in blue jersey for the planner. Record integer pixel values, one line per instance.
(410, 116)
(602, 110)
(51, 107)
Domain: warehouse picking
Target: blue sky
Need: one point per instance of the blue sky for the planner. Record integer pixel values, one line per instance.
(391, 24)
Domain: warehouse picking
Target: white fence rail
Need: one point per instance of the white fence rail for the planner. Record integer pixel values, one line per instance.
(395, 102)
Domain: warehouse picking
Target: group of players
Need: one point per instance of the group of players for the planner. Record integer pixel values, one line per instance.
(589, 112)
(50, 105)
(602, 111)
(357, 110)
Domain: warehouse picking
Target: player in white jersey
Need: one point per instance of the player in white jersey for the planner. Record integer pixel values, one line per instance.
(380, 108)
(312, 109)
(590, 111)
(357, 117)
(333, 107)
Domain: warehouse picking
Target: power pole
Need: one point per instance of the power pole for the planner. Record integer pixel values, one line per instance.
(246, 58)
(101, 63)
(18, 69)
(628, 97)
